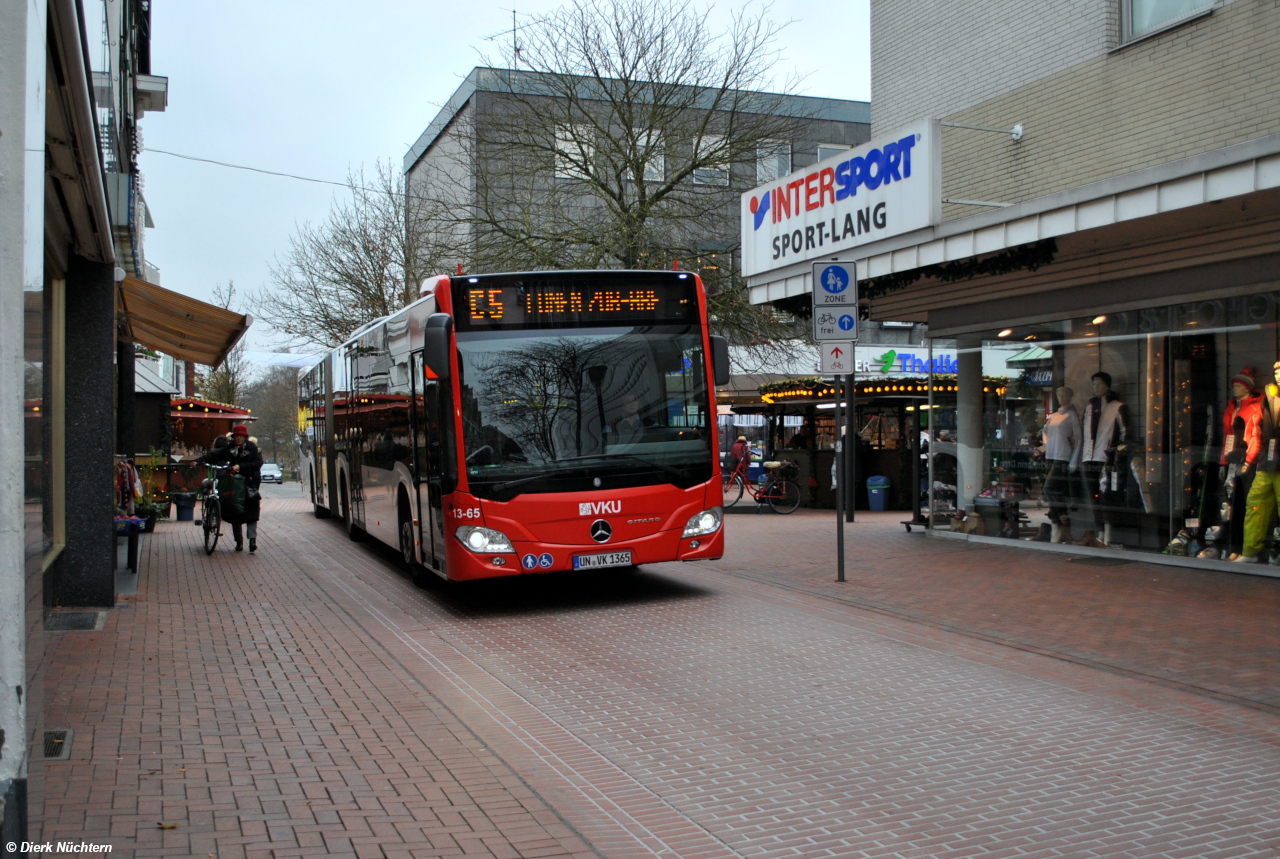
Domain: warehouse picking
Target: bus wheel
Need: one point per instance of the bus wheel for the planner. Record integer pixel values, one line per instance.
(353, 530)
(418, 573)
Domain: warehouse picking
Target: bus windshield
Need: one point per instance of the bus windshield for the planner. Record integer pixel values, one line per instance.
(570, 409)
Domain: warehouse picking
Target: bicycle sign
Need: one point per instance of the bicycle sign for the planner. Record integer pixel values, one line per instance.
(835, 301)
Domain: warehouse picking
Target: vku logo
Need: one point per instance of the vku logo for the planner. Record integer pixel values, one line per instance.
(598, 508)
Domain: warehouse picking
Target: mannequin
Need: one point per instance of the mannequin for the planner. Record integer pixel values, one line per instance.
(1063, 436)
(1240, 450)
(1106, 432)
(1261, 503)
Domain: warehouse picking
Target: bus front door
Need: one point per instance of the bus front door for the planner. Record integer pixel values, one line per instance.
(429, 415)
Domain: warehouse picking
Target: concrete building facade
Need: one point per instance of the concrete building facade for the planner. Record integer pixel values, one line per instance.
(449, 157)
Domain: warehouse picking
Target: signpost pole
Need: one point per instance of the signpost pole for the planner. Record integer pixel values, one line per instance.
(842, 445)
(851, 440)
(835, 327)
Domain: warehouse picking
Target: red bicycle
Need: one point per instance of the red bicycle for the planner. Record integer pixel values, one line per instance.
(779, 490)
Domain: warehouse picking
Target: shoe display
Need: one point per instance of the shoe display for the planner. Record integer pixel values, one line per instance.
(1235, 556)
(1248, 559)
(253, 546)
(1090, 538)
(1211, 554)
(1043, 535)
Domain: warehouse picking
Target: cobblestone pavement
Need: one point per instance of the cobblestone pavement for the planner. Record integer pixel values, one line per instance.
(1208, 632)
(309, 700)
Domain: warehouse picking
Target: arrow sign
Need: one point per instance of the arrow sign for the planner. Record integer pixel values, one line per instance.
(835, 300)
(837, 357)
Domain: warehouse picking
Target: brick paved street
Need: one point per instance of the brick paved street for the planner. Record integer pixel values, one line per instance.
(949, 700)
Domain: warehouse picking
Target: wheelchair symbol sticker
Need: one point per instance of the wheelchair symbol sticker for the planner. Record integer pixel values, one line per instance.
(835, 279)
(544, 561)
(846, 322)
(529, 562)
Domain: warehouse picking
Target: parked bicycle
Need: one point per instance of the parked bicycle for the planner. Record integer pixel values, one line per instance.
(211, 507)
(780, 489)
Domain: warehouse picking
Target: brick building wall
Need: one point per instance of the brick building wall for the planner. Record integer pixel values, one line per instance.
(1207, 84)
(931, 58)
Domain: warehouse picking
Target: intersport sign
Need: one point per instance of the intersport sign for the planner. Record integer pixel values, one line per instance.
(884, 188)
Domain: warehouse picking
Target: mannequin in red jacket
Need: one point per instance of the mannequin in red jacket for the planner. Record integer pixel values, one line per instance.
(1240, 447)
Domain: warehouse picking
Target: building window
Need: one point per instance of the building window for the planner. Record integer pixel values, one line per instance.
(712, 174)
(655, 161)
(830, 150)
(1146, 16)
(575, 149)
(773, 161)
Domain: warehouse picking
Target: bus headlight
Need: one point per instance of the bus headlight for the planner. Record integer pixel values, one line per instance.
(706, 522)
(485, 541)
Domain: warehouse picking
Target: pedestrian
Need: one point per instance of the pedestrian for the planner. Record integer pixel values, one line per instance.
(740, 452)
(245, 460)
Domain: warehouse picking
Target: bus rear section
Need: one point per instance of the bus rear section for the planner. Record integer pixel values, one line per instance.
(584, 422)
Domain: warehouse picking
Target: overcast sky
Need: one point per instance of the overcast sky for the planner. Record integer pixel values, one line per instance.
(318, 88)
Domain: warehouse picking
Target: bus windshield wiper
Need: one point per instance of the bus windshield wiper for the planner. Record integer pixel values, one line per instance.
(669, 469)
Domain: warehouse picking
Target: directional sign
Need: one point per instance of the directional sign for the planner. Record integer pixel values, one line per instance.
(837, 357)
(835, 301)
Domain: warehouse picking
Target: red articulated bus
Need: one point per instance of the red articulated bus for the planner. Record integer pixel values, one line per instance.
(509, 424)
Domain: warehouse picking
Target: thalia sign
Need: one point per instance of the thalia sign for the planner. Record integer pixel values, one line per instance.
(883, 188)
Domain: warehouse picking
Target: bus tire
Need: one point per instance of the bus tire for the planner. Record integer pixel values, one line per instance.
(354, 532)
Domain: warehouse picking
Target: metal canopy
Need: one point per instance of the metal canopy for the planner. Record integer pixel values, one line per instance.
(176, 324)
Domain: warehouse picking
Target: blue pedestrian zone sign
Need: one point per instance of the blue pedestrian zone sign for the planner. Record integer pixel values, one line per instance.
(835, 300)
(835, 279)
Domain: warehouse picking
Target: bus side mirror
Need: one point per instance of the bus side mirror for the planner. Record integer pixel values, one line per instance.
(720, 359)
(435, 344)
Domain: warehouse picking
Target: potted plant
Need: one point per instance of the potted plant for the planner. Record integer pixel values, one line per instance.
(151, 511)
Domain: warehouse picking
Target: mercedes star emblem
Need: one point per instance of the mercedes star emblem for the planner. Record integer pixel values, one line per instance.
(600, 531)
(596, 483)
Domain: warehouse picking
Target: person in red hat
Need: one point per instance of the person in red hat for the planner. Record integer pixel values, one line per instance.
(245, 459)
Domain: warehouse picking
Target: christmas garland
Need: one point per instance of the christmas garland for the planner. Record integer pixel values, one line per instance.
(1022, 258)
(811, 383)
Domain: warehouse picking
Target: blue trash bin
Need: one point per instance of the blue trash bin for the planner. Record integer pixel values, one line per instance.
(877, 492)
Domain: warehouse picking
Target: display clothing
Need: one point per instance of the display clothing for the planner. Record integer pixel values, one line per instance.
(1240, 447)
(1240, 429)
(1106, 427)
(1063, 436)
(1262, 498)
(1237, 497)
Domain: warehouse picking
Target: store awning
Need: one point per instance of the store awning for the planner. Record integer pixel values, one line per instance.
(1033, 357)
(178, 325)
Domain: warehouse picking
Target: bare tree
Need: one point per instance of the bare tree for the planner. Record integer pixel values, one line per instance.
(225, 383)
(273, 399)
(363, 262)
(615, 143)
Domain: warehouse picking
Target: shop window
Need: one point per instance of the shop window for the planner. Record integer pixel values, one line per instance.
(1142, 17)
(1139, 430)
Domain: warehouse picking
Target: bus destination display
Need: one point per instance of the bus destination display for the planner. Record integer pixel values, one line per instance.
(481, 305)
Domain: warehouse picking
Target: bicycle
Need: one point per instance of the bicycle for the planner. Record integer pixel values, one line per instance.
(211, 508)
(779, 490)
